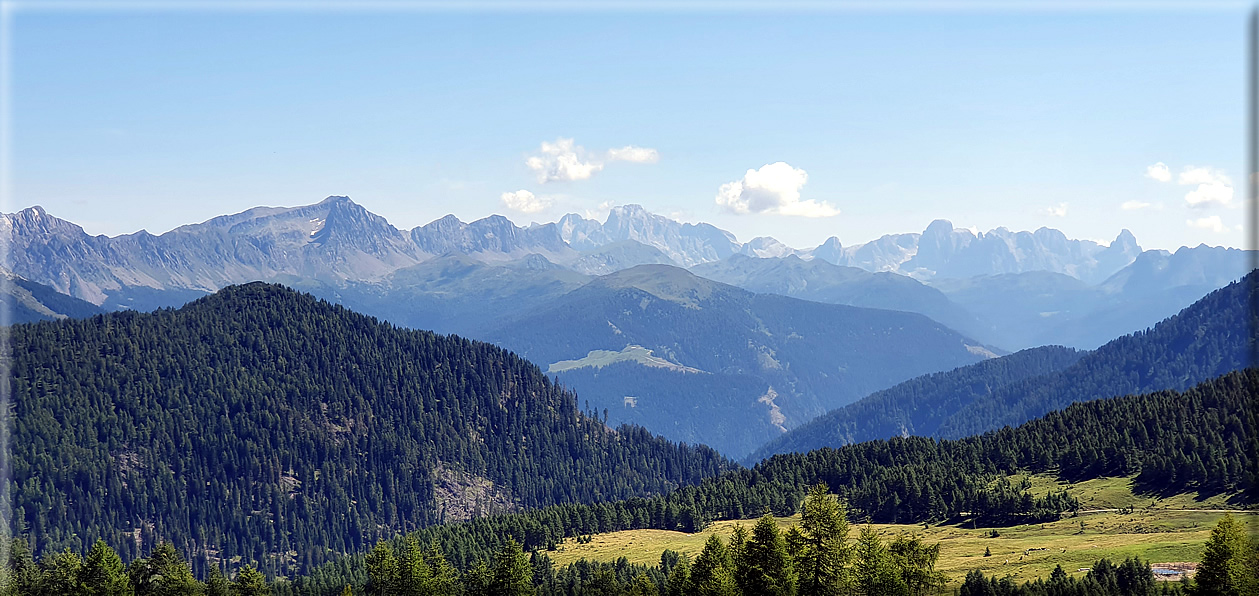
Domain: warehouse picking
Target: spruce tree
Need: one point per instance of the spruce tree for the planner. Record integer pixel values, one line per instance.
(875, 573)
(250, 582)
(768, 569)
(824, 558)
(103, 573)
(712, 573)
(1226, 567)
(382, 570)
(60, 574)
(512, 575)
(216, 583)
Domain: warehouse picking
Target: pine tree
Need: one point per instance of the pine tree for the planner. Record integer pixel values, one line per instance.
(478, 580)
(61, 574)
(414, 575)
(768, 568)
(712, 573)
(1226, 567)
(23, 572)
(164, 573)
(382, 570)
(916, 561)
(678, 582)
(250, 582)
(103, 573)
(216, 583)
(824, 558)
(875, 572)
(512, 575)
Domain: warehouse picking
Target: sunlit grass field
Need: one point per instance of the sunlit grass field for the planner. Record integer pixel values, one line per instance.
(1154, 531)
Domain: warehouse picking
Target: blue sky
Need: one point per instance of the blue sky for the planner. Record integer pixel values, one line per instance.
(123, 120)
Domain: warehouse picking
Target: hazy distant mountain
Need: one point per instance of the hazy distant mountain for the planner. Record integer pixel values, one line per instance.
(619, 255)
(942, 251)
(820, 281)
(454, 293)
(684, 243)
(766, 247)
(494, 238)
(1211, 337)
(1042, 308)
(1020, 288)
(811, 356)
(332, 240)
(27, 302)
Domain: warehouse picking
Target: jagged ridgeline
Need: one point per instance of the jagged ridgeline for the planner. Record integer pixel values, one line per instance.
(262, 423)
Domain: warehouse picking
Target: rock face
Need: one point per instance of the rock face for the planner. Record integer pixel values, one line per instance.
(685, 244)
(942, 251)
(335, 239)
(494, 238)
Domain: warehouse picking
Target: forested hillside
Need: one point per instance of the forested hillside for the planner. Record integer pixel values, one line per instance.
(1201, 439)
(1207, 339)
(260, 421)
(815, 356)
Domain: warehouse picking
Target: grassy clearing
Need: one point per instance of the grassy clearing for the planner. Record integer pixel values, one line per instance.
(1157, 534)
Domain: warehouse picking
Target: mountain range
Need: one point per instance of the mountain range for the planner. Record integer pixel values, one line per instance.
(665, 324)
(1213, 336)
(792, 359)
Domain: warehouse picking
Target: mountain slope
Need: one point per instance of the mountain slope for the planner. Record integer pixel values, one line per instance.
(814, 356)
(919, 405)
(453, 293)
(27, 302)
(1170, 442)
(1205, 340)
(820, 281)
(1040, 307)
(259, 419)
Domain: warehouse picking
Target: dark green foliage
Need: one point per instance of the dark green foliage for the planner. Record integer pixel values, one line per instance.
(1209, 338)
(259, 421)
(1132, 577)
(249, 582)
(767, 568)
(102, 573)
(919, 405)
(1230, 562)
(915, 479)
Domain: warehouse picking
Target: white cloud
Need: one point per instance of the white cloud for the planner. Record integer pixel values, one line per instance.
(1160, 172)
(1059, 211)
(1213, 187)
(565, 160)
(1212, 223)
(1135, 205)
(634, 154)
(774, 188)
(562, 160)
(524, 201)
